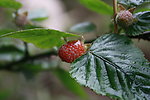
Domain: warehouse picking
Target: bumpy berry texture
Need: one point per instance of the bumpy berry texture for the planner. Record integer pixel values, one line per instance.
(124, 18)
(71, 51)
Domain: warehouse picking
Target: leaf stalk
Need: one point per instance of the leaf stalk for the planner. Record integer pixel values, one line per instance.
(114, 16)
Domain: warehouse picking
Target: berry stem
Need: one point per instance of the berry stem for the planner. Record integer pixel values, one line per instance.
(115, 13)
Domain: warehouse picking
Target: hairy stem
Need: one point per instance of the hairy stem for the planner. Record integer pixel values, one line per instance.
(115, 13)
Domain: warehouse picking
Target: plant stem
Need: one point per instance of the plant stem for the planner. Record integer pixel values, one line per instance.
(26, 50)
(144, 36)
(10, 66)
(19, 21)
(115, 13)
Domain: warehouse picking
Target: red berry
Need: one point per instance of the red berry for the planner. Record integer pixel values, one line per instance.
(124, 18)
(71, 51)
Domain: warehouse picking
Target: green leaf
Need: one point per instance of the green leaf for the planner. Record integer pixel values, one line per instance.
(143, 7)
(39, 19)
(83, 27)
(132, 2)
(142, 10)
(4, 31)
(70, 83)
(10, 4)
(97, 6)
(141, 25)
(42, 38)
(115, 68)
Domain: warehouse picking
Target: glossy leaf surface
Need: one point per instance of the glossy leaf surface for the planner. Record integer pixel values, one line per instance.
(132, 2)
(115, 68)
(142, 24)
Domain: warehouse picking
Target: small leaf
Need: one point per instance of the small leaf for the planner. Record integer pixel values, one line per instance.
(42, 38)
(141, 25)
(132, 2)
(97, 6)
(83, 27)
(115, 68)
(70, 83)
(10, 4)
(39, 19)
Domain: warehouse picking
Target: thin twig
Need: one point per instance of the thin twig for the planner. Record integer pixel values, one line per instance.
(26, 55)
(144, 36)
(10, 65)
(115, 13)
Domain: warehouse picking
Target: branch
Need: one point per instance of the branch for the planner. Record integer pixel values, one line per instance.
(144, 36)
(23, 60)
(115, 13)
(26, 50)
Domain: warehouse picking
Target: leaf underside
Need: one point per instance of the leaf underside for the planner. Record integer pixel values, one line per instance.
(115, 68)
